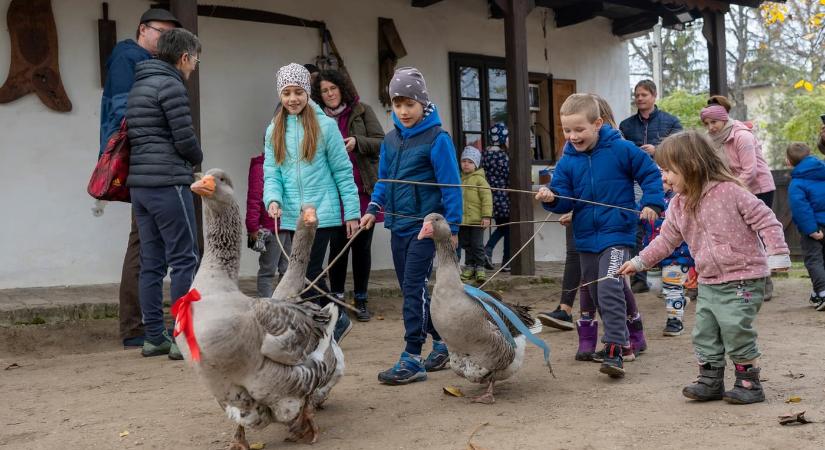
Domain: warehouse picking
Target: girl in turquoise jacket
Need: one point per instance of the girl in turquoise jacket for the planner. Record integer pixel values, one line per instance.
(306, 163)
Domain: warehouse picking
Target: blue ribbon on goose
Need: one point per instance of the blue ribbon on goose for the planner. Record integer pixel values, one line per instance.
(483, 298)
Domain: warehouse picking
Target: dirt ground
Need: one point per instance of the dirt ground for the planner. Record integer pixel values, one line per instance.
(71, 387)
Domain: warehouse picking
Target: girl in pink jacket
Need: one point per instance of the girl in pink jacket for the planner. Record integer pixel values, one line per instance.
(738, 147)
(725, 226)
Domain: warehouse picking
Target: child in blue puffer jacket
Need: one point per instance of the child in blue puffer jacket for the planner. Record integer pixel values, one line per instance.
(599, 166)
(417, 149)
(677, 269)
(806, 195)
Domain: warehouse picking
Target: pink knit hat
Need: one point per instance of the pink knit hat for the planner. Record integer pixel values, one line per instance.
(715, 112)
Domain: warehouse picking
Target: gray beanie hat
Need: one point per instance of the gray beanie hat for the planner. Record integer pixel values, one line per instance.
(293, 75)
(408, 82)
(473, 154)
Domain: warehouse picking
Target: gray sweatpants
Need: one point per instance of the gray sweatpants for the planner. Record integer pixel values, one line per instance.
(814, 261)
(608, 294)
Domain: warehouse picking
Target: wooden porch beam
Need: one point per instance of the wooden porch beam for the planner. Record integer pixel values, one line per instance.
(423, 3)
(714, 32)
(250, 15)
(256, 15)
(187, 13)
(521, 156)
(571, 15)
(634, 24)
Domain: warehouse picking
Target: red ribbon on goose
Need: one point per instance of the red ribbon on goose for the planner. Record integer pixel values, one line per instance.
(182, 310)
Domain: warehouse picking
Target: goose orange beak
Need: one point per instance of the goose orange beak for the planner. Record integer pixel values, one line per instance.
(310, 216)
(426, 231)
(204, 187)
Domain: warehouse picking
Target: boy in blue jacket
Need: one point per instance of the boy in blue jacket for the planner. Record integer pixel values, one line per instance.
(806, 195)
(599, 166)
(416, 150)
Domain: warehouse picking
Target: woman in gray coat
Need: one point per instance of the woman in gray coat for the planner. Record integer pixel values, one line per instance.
(164, 152)
(363, 135)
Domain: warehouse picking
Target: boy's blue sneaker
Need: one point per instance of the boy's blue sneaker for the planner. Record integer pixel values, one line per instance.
(406, 370)
(438, 358)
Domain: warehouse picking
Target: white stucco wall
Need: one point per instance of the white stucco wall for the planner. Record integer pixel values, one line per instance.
(47, 233)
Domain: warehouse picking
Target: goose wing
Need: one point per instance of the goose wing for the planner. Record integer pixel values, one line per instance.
(292, 331)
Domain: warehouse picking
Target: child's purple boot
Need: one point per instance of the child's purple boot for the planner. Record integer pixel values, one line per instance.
(588, 330)
(637, 335)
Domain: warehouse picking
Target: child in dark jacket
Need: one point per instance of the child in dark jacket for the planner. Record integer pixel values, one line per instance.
(677, 270)
(428, 155)
(260, 229)
(806, 195)
(496, 164)
(599, 166)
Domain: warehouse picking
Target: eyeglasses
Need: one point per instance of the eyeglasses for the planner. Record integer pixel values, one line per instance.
(159, 30)
(329, 90)
(197, 61)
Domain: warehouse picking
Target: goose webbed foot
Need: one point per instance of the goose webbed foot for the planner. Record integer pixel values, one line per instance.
(487, 397)
(239, 440)
(303, 428)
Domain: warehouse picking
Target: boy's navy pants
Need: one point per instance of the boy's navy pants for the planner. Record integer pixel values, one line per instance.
(413, 260)
(168, 238)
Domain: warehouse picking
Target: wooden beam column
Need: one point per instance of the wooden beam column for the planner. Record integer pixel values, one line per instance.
(186, 12)
(714, 32)
(518, 113)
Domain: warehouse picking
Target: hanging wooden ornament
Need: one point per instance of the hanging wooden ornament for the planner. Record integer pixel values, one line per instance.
(34, 65)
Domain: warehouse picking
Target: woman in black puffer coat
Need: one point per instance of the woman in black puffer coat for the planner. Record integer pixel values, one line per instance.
(165, 150)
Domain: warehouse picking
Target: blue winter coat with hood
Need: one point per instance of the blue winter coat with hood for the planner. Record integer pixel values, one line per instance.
(806, 194)
(423, 152)
(605, 174)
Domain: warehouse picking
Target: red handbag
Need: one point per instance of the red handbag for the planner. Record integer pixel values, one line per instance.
(108, 181)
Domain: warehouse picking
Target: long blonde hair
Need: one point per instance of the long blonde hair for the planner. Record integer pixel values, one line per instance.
(312, 132)
(690, 154)
(605, 111)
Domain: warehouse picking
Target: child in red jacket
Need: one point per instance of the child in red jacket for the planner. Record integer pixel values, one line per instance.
(260, 228)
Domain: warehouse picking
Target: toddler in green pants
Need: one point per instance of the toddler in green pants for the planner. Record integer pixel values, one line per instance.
(736, 242)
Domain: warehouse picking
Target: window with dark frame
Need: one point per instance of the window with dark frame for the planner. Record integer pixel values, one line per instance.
(479, 100)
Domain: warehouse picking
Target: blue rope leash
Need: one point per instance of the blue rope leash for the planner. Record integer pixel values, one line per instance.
(483, 297)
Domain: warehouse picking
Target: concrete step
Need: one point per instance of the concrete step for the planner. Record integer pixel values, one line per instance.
(67, 303)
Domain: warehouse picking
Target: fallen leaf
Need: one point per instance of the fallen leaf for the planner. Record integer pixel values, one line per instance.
(124, 433)
(453, 391)
(12, 366)
(379, 317)
(794, 376)
(794, 399)
(256, 446)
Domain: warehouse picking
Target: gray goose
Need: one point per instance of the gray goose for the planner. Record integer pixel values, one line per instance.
(264, 360)
(478, 350)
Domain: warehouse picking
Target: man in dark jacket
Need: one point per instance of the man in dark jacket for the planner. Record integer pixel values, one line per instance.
(164, 151)
(647, 128)
(120, 75)
(649, 125)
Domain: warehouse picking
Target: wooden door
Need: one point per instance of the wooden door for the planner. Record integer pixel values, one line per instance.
(560, 91)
